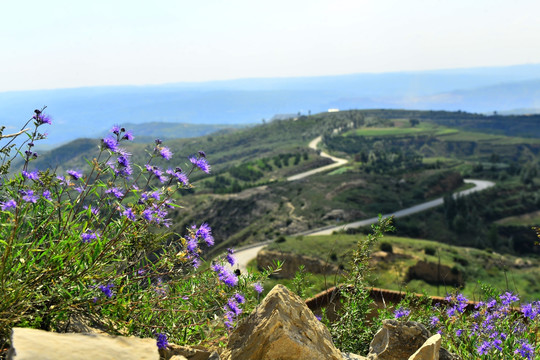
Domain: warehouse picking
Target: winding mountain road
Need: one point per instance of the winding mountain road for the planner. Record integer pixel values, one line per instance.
(246, 254)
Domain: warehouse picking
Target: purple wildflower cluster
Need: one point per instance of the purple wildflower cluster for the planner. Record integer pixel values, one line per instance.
(225, 275)
(401, 312)
(233, 309)
(162, 342)
(494, 325)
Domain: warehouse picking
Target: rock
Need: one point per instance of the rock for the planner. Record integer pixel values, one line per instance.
(187, 352)
(351, 356)
(430, 349)
(397, 340)
(281, 327)
(291, 262)
(42, 345)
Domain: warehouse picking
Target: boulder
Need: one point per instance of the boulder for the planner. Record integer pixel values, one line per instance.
(397, 340)
(174, 351)
(32, 344)
(430, 349)
(281, 327)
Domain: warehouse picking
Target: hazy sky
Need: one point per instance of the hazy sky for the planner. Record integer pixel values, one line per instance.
(57, 43)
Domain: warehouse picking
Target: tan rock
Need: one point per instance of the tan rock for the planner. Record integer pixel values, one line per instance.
(187, 352)
(397, 340)
(281, 328)
(32, 344)
(430, 349)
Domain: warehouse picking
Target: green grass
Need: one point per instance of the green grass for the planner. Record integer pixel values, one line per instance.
(530, 219)
(482, 266)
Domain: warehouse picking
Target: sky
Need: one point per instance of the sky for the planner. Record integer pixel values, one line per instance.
(66, 43)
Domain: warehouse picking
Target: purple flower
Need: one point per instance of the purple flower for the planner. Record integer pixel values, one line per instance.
(434, 321)
(162, 342)
(42, 119)
(158, 142)
(507, 298)
(107, 290)
(225, 275)
(116, 129)
(459, 332)
(128, 213)
(157, 172)
(47, 195)
(123, 160)
(115, 191)
(179, 175)
(205, 232)
(232, 304)
(110, 144)
(88, 236)
(258, 287)
(401, 312)
(148, 215)
(29, 196)
(165, 153)
(74, 174)
(10, 204)
(31, 175)
(192, 245)
(526, 350)
(128, 136)
(230, 258)
(201, 163)
(239, 298)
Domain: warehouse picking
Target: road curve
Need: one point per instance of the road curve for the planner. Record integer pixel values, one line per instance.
(479, 186)
(244, 255)
(313, 145)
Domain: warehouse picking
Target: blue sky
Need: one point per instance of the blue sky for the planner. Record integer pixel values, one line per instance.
(58, 43)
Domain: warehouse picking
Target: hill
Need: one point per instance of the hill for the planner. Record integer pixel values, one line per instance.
(247, 101)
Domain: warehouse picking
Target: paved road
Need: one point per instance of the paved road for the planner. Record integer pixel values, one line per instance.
(245, 255)
(479, 186)
(313, 145)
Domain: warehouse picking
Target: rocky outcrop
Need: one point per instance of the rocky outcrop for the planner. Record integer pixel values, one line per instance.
(430, 350)
(397, 340)
(291, 263)
(281, 327)
(32, 344)
(433, 273)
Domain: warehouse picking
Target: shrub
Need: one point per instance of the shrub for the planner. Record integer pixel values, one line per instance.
(97, 243)
(387, 247)
(430, 250)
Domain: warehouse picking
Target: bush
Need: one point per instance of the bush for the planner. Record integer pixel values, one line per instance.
(387, 247)
(430, 250)
(97, 243)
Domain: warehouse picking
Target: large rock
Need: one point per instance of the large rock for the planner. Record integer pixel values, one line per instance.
(32, 344)
(430, 350)
(397, 340)
(291, 263)
(281, 327)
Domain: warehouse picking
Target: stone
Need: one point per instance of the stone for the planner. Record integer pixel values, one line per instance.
(430, 350)
(351, 356)
(281, 327)
(188, 352)
(42, 345)
(397, 340)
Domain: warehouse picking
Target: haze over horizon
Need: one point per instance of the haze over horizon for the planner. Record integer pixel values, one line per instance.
(64, 44)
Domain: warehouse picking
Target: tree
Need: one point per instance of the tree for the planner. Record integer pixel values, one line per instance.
(414, 122)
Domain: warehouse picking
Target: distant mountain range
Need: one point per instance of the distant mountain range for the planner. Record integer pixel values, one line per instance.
(89, 112)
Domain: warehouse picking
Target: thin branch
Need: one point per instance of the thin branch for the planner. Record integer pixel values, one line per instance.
(13, 135)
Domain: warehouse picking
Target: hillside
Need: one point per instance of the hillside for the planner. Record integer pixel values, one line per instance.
(248, 101)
